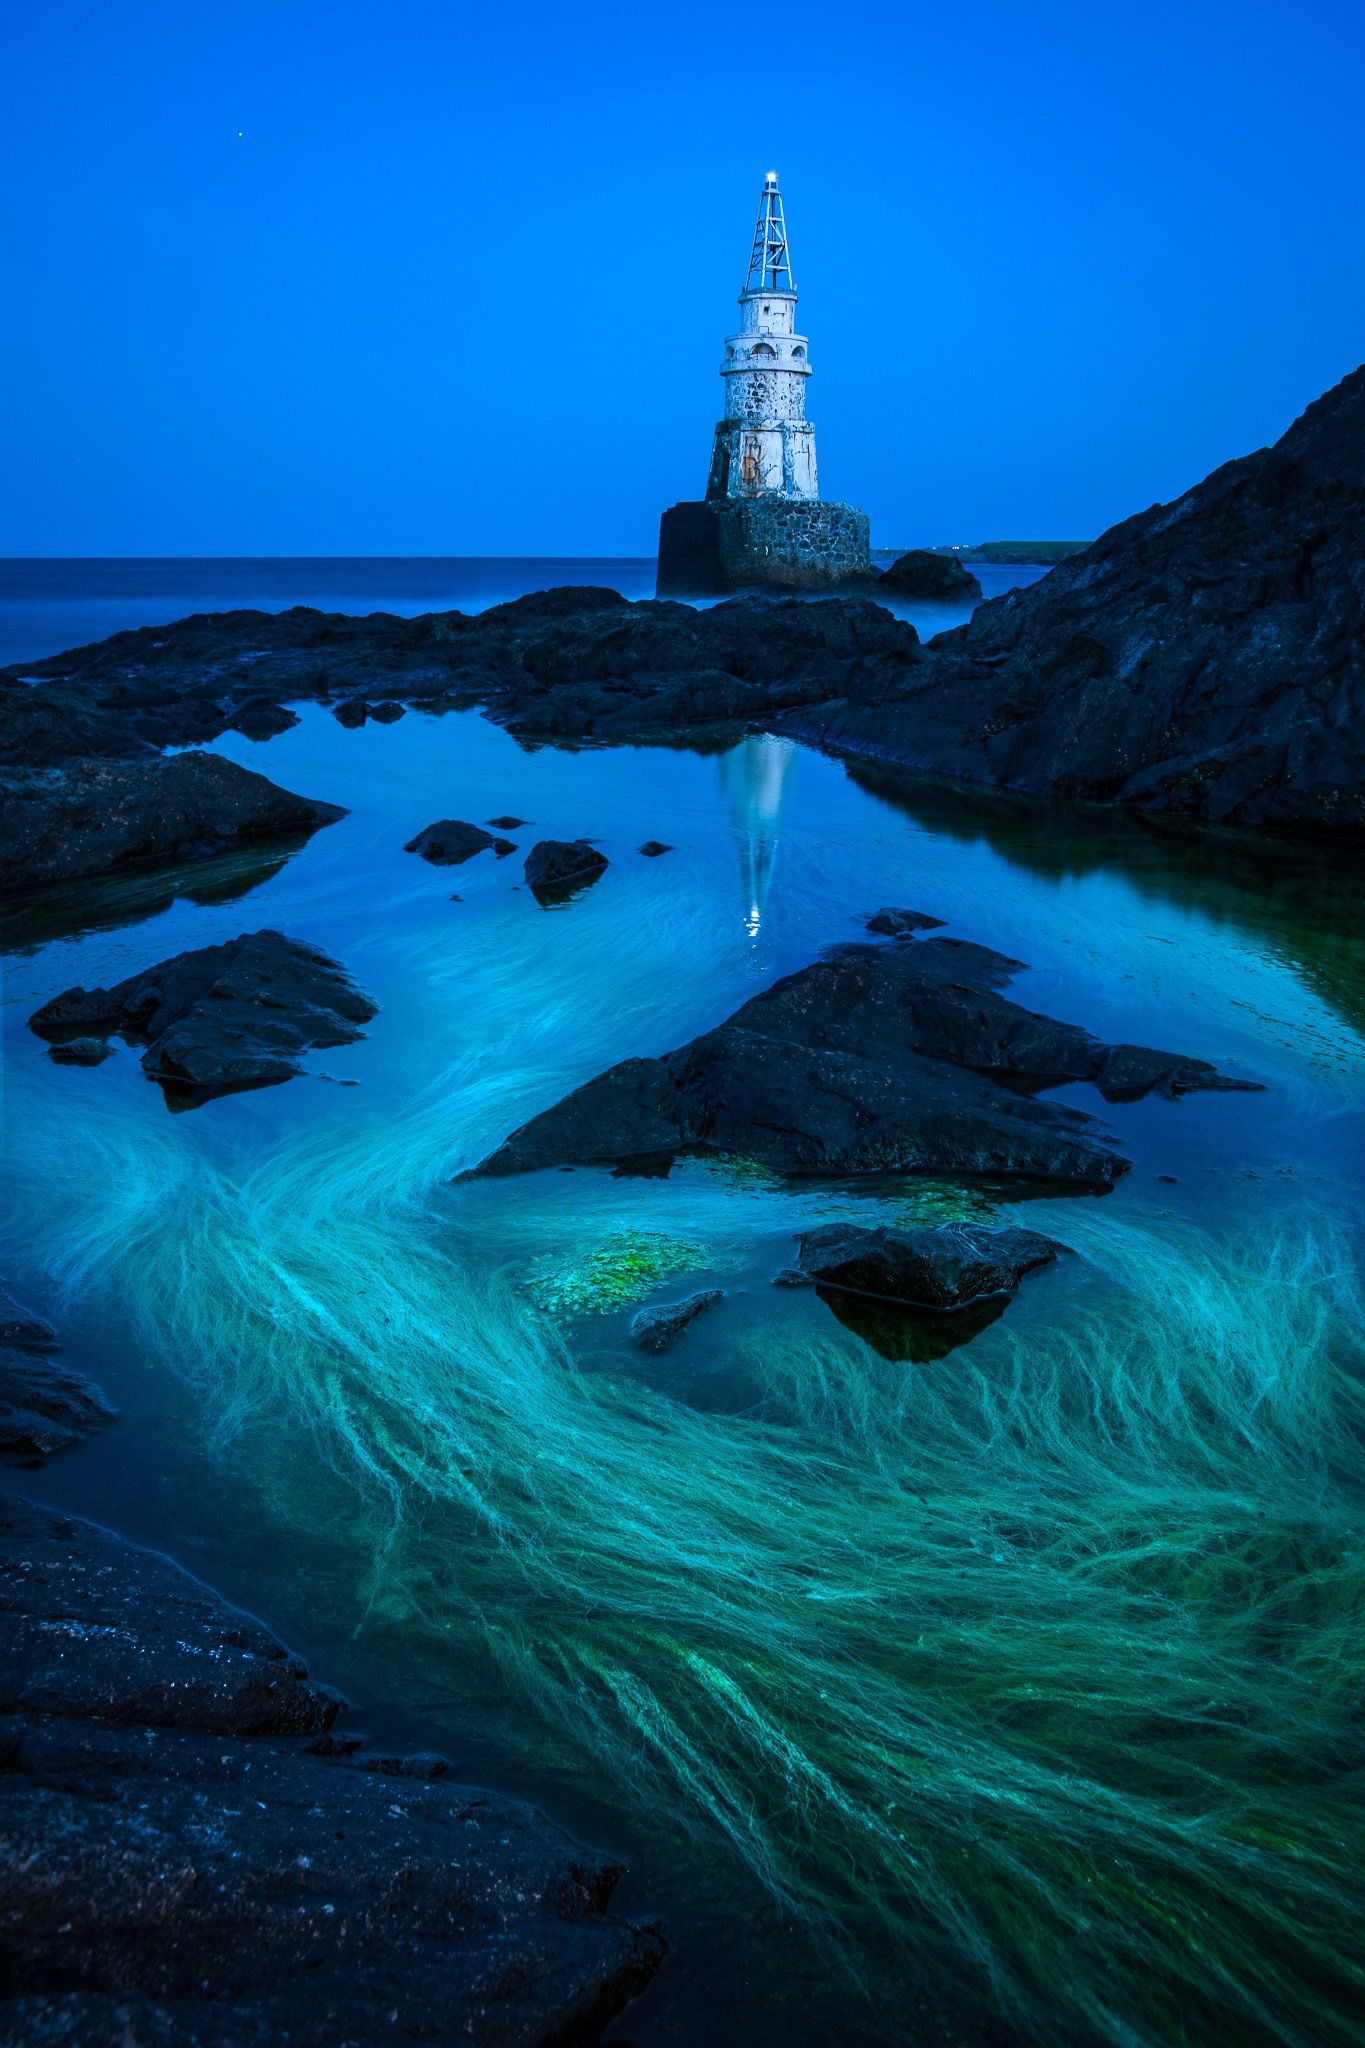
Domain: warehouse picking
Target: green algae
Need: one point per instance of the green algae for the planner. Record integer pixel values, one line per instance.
(611, 1274)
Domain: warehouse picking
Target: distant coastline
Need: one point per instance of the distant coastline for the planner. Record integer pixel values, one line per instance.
(1007, 553)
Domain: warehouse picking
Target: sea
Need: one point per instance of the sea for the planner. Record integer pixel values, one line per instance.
(962, 1697)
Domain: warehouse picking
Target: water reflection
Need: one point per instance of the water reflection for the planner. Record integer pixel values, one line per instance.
(756, 777)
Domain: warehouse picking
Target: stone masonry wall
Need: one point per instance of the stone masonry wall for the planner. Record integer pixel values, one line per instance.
(761, 544)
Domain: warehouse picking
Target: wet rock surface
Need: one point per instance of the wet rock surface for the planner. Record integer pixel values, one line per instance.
(900, 1058)
(951, 1266)
(450, 841)
(188, 1855)
(1205, 658)
(558, 868)
(222, 1017)
(45, 1404)
(92, 817)
(656, 1327)
(922, 573)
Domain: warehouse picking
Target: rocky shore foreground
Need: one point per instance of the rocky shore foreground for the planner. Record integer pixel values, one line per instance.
(191, 1853)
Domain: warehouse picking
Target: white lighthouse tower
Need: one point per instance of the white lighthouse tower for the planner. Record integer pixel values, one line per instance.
(762, 523)
(765, 443)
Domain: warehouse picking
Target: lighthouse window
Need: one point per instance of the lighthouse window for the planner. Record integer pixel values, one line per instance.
(764, 350)
(799, 353)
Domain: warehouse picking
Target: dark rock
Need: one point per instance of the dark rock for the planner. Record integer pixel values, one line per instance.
(91, 817)
(17, 1326)
(506, 824)
(654, 1329)
(259, 719)
(1204, 658)
(899, 924)
(186, 1855)
(947, 1267)
(351, 712)
(652, 848)
(791, 1276)
(559, 868)
(223, 1017)
(388, 712)
(876, 1060)
(44, 1405)
(450, 841)
(922, 573)
(79, 1052)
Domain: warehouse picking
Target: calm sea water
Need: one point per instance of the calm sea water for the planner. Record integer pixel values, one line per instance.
(1012, 1695)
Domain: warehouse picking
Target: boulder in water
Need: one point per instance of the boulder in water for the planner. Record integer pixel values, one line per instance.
(924, 573)
(654, 1329)
(450, 841)
(946, 1267)
(221, 1018)
(559, 868)
(875, 1060)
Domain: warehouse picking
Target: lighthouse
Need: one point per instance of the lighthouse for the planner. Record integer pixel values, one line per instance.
(762, 523)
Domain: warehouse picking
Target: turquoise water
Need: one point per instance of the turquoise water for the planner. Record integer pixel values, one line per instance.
(1012, 1696)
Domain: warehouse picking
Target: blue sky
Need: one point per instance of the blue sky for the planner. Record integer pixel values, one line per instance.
(354, 279)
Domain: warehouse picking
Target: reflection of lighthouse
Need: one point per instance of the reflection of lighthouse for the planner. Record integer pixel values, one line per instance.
(755, 775)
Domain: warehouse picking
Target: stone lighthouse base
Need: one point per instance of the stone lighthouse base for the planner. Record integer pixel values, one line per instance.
(714, 545)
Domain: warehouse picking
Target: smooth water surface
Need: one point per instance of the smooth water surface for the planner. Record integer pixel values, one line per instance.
(1011, 1694)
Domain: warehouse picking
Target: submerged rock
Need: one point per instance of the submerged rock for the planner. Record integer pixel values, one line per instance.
(899, 924)
(875, 1060)
(387, 712)
(558, 868)
(223, 1017)
(922, 573)
(92, 817)
(652, 848)
(507, 824)
(655, 1328)
(351, 712)
(949, 1266)
(44, 1404)
(176, 1865)
(450, 841)
(79, 1052)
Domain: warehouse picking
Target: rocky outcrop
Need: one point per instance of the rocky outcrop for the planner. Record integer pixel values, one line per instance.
(1206, 658)
(91, 817)
(188, 1854)
(558, 868)
(450, 841)
(220, 1018)
(44, 1404)
(950, 1267)
(900, 924)
(655, 1328)
(899, 1058)
(924, 574)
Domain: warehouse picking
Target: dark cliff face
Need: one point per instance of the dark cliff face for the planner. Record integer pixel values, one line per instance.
(1203, 658)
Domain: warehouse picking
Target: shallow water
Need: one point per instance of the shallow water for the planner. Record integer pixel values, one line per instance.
(1013, 1694)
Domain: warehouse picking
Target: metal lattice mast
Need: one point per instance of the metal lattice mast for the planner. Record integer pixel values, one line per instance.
(769, 267)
